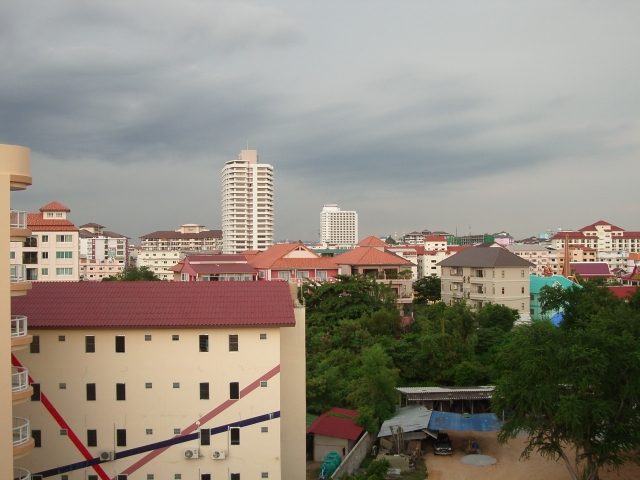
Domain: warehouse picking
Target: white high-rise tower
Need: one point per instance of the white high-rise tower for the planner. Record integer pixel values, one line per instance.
(339, 227)
(247, 204)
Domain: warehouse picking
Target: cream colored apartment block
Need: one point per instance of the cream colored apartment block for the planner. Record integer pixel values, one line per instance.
(247, 204)
(15, 431)
(161, 386)
(159, 262)
(338, 227)
(479, 275)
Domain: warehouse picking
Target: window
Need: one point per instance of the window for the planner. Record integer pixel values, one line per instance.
(64, 238)
(261, 274)
(234, 391)
(149, 431)
(64, 254)
(263, 336)
(205, 436)
(175, 338)
(35, 396)
(522, 307)
(176, 384)
(284, 275)
(522, 289)
(92, 477)
(321, 275)
(12, 255)
(233, 343)
(91, 392)
(235, 476)
(92, 438)
(34, 347)
(503, 290)
(62, 386)
(264, 429)
(37, 438)
(90, 344)
(121, 391)
(119, 343)
(265, 474)
(148, 385)
(204, 391)
(45, 255)
(176, 431)
(61, 338)
(203, 343)
(64, 271)
(263, 383)
(122, 477)
(234, 432)
(147, 338)
(45, 238)
(502, 273)
(64, 432)
(121, 437)
(30, 242)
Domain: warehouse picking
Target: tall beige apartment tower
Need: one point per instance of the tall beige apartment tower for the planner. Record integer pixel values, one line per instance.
(247, 204)
(15, 431)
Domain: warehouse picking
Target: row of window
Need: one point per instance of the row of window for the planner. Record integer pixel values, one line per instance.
(121, 390)
(90, 342)
(150, 476)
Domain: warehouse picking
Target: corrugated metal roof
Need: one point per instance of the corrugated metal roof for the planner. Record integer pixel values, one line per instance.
(416, 394)
(480, 422)
(412, 419)
(156, 304)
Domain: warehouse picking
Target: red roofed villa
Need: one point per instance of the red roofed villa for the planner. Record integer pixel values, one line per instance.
(334, 431)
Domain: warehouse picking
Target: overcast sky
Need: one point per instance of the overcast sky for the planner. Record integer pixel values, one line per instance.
(440, 115)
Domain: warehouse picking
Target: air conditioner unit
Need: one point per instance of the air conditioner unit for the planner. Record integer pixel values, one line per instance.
(106, 456)
(218, 454)
(191, 453)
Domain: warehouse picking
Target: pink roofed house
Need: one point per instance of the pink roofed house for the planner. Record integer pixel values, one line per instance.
(292, 261)
(334, 431)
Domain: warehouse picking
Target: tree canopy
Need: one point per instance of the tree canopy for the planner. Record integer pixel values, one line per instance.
(133, 274)
(575, 389)
(427, 290)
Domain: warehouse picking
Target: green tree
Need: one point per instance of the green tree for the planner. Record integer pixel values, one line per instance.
(575, 391)
(427, 290)
(390, 240)
(382, 322)
(133, 274)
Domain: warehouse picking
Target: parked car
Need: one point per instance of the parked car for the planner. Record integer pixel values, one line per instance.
(442, 445)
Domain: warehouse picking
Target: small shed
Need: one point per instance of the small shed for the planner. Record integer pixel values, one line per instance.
(334, 431)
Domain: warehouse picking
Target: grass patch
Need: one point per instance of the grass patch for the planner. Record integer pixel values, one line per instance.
(310, 418)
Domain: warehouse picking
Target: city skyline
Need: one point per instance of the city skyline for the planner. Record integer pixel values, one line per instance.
(421, 115)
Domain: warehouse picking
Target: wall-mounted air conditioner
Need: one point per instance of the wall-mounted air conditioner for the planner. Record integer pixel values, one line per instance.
(190, 453)
(218, 454)
(106, 456)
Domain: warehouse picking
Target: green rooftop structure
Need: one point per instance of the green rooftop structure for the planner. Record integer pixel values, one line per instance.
(536, 284)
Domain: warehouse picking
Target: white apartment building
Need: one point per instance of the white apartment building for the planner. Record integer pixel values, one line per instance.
(338, 227)
(190, 237)
(100, 245)
(159, 262)
(247, 204)
(51, 253)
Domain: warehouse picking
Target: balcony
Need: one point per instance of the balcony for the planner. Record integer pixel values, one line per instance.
(19, 282)
(18, 225)
(22, 441)
(20, 388)
(20, 338)
(21, 474)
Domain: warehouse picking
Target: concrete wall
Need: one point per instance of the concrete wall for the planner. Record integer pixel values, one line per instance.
(150, 415)
(323, 444)
(354, 458)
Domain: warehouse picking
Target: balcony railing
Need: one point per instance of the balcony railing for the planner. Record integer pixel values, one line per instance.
(18, 325)
(21, 431)
(21, 474)
(17, 219)
(19, 379)
(18, 273)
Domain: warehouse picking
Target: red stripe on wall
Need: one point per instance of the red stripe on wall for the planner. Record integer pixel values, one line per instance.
(213, 413)
(58, 418)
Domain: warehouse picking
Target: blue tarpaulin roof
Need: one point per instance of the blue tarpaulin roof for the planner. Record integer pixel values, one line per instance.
(557, 319)
(480, 422)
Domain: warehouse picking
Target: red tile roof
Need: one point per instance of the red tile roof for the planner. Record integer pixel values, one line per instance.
(563, 235)
(156, 304)
(628, 235)
(275, 257)
(435, 238)
(592, 227)
(372, 241)
(54, 207)
(36, 223)
(623, 292)
(369, 256)
(591, 269)
(337, 425)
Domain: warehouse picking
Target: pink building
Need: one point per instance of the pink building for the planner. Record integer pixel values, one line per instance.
(213, 268)
(292, 261)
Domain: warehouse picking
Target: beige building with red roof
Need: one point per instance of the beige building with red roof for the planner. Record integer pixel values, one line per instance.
(214, 268)
(293, 261)
(51, 253)
(371, 257)
(602, 236)
(16, 437)
(164, 380)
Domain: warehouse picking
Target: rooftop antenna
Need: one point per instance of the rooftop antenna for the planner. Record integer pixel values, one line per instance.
(247, 144)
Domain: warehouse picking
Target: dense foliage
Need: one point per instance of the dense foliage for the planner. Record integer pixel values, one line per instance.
(575, 389)
(358, 350)
(133, 274)
(427, 290)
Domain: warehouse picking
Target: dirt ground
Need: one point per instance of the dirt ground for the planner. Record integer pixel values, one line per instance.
(509, 466)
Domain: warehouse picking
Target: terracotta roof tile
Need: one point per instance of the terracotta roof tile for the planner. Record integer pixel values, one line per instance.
(337, 425)
(623, 292)
(156, 304)
(435, 238)
(592, 227)
(369, 256)
(54, 207)
(36, 223)
(371, 241)
(275, 257)
(591, 269)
